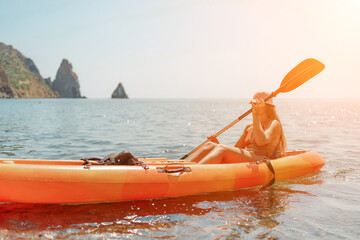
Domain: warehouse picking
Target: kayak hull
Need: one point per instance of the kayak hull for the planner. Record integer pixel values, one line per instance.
(70, 182)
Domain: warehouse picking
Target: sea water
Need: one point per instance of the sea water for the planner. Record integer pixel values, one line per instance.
(325, 205)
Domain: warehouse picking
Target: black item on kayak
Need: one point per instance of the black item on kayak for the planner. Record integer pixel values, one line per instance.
(123, 158)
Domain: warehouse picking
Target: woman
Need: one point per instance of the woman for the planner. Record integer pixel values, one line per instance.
(263, 138)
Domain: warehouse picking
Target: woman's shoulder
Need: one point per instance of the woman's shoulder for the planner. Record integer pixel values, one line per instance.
(275, 124)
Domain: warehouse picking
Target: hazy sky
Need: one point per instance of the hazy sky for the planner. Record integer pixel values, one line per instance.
(190, 49)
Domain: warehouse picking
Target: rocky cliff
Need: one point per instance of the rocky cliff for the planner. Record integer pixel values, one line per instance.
(22, 74)
(66, 82)
(119, 92)
(5, 89)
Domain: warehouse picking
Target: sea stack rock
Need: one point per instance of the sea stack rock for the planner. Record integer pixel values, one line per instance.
(66, 82)
(23, 76)
(5, 89)
(119, 92)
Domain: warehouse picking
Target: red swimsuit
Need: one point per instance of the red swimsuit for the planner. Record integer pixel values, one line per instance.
(248, 135)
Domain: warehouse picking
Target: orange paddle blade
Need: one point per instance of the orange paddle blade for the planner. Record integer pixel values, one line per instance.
(300, 74)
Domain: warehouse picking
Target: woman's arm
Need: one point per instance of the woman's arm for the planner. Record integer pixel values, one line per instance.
(241, 142)
(264, 137)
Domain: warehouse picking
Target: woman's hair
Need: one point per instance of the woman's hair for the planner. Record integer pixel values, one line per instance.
(272, 114)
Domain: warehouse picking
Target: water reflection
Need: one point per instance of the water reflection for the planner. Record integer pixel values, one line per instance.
(231, 214)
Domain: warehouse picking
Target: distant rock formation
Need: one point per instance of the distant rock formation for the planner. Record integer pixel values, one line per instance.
(119, 92)
(66, 82)
(22, 74)
(48, 82)
(5, 88)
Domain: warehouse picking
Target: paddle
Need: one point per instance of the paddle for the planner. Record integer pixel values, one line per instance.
(295, 78)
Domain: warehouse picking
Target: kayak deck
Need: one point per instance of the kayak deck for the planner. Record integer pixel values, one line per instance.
(149, 161)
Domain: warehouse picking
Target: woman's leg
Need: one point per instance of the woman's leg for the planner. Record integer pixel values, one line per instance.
(202, 152)
(226, 154)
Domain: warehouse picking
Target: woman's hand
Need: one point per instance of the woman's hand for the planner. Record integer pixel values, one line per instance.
(212, 138)
(257, 106)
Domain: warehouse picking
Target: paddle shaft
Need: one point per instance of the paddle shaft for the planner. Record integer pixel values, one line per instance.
(225, 128)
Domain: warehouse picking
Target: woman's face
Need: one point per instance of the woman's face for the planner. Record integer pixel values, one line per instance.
(260, 105)
(263, 109)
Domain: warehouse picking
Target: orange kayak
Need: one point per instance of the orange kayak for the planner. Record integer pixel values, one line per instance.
(70, 182)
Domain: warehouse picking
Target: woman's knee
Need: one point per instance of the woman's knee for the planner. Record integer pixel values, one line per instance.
(221, 148)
